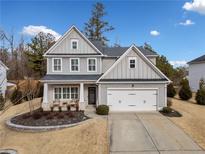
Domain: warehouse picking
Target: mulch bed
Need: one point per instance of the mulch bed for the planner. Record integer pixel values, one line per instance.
(48, 118)
(174, 113)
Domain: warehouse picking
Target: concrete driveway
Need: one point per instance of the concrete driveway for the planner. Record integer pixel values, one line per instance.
(149, 133)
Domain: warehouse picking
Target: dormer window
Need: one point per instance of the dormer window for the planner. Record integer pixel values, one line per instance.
(132, 62)
(74, 44)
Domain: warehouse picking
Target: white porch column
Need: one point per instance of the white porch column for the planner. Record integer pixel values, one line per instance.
(81, 102)
(45, 104)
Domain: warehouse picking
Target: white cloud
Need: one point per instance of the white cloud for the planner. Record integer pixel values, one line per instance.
(196, 6)
(178, 63)
(154, 33)
(34, 30)
(188, 22)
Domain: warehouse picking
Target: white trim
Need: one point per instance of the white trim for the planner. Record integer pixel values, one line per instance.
(138, 51)
(64, 36)
(4, 65)
(145, 82)
(95, 64)
(53, 65)
(132, 58)
(71, 43)
(64, 86)
(157, 91)
(132, 88)
(78, 64)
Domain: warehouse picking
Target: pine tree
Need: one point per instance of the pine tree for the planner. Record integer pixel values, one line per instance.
(39, 45)
(96, 26)
(185, 91)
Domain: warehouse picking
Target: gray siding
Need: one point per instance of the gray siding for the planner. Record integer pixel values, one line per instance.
(107, 63)
(142, 70)
(65, 45)
(161, 99)
(152, 59)
(66, 66)
(196, 72)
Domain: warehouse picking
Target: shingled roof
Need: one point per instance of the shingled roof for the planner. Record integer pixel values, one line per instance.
(198, 60)
(118, 51)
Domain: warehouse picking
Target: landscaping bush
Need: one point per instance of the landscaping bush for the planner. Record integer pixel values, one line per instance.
(185, 91)
(200, 95)
(102, 110)
(49, 117)
(169, 103)
(16, 96)
(171, 92)
(166, 110)
(2, 102)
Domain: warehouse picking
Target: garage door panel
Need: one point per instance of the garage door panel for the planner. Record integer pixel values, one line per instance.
(132, 99)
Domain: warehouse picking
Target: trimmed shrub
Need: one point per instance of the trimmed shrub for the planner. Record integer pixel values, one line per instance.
(102, 110)
(16, 96)
(200, 96)
(185, 91)
(166, 110)
(171, 92)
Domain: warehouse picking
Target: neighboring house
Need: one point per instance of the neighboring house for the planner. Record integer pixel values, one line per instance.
(196, 72)
(125, 78)
(3, 78)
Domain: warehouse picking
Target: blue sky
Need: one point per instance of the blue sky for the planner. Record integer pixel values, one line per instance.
(175, 28)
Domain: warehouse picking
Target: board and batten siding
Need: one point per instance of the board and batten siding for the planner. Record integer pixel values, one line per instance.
(66, 66)
(196, 72)
(161, 96)
(107, 63)
(65, 46)
(142, 70)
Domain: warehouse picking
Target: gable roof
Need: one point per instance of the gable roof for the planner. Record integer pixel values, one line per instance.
(198, 60)
(66, 34)
(144, 58)
(118, 51)
(1, 63)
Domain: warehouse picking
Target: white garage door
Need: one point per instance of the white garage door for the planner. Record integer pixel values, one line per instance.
(132, 99)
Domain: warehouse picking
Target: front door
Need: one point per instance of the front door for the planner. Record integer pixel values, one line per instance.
(92, 95)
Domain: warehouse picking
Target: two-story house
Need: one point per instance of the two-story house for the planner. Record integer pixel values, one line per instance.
(125, 78)
(3, 78)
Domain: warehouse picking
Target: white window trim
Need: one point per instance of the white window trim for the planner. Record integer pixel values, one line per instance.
(71, 44)
(78, 65)
(132, 58)
(62, 92)
(53, 65)
(88, 64)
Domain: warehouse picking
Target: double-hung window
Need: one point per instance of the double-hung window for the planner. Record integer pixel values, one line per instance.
(74, 44)
(57, 64)
(91, 64)
(57, 93)
(74, 64)
(74, 92)
(68, 92)
(132, 62)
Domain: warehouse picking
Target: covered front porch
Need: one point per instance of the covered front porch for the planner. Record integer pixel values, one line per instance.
(69, 96)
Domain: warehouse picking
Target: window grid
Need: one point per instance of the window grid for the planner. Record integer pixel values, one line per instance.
(57, 64)
(66, 93)
(91, 65)
(132, 63)
(74, 65)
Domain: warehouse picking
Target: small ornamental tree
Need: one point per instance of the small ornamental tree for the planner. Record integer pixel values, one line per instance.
(200, 95)
(171, 92)
(185, 91)
(2, 102)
